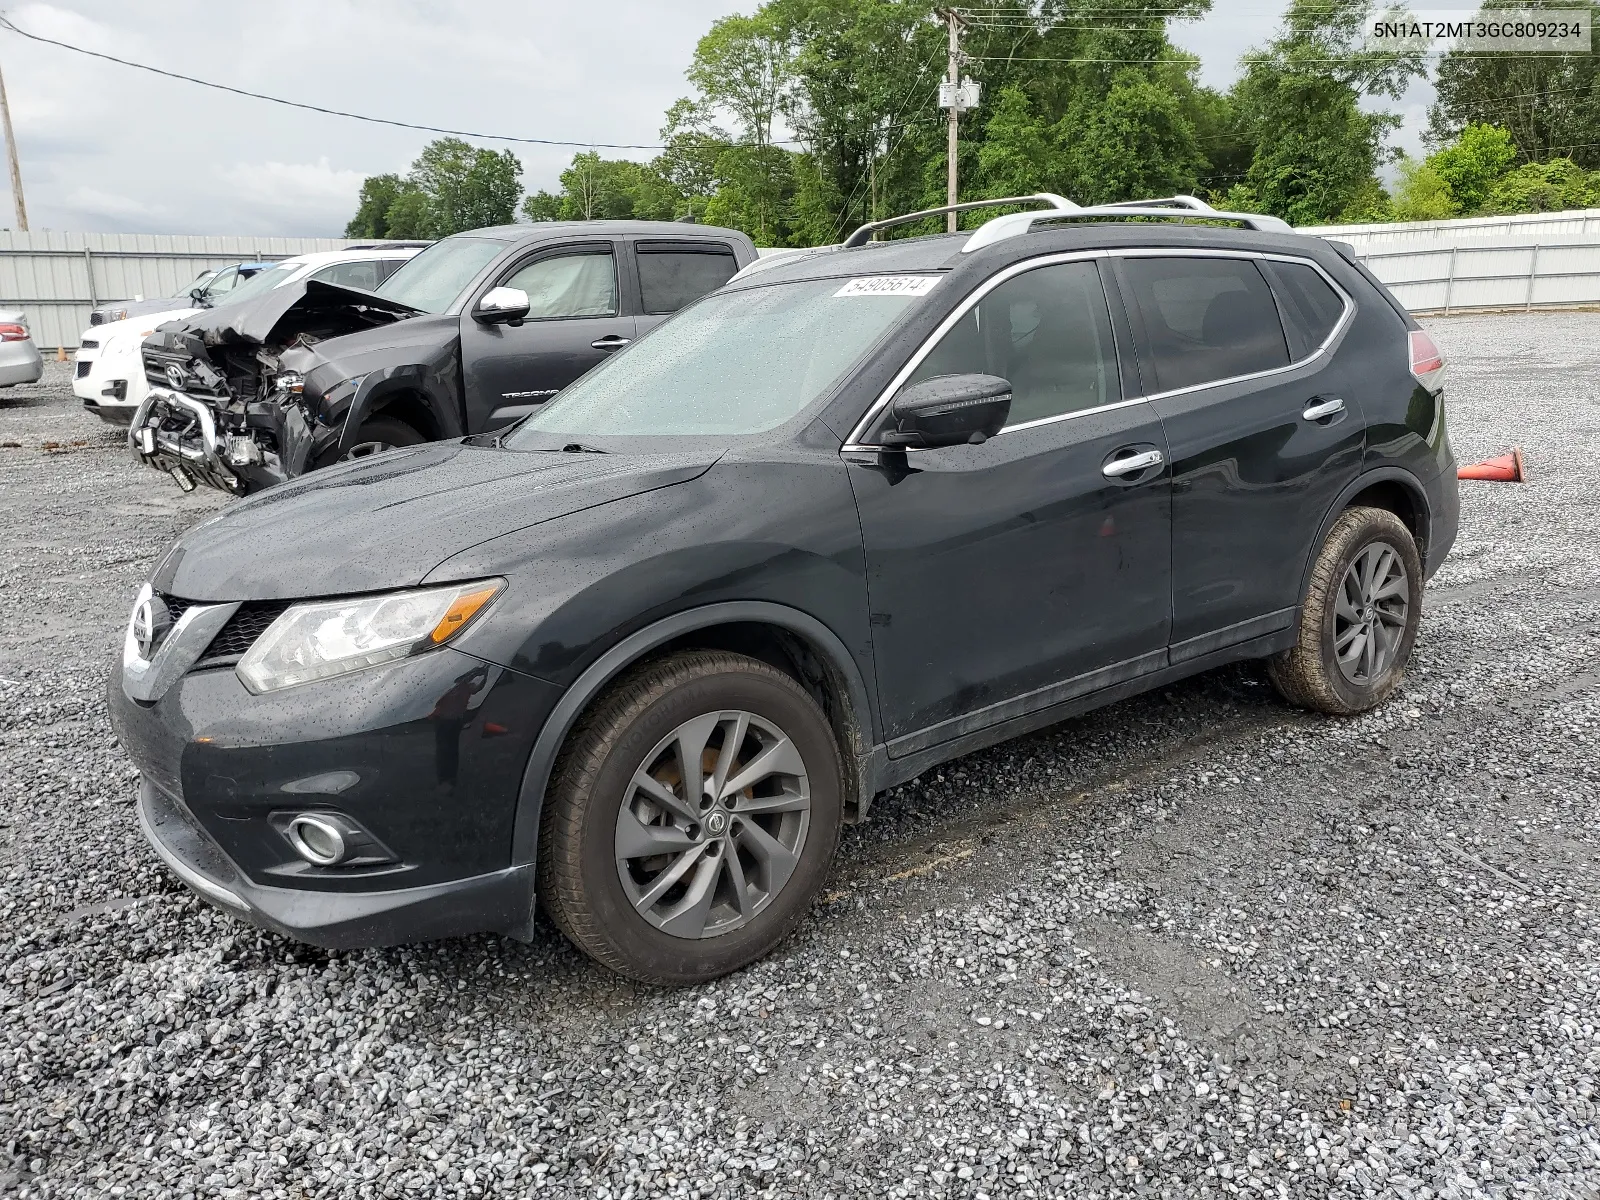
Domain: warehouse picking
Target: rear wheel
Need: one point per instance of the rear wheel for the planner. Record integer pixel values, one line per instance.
(691, 818)
(375, 435)
(1359, 621)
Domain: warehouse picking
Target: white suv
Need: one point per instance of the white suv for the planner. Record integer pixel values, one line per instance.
(109, 376)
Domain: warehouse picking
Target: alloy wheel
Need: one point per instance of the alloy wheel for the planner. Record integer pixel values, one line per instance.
(1369, 617)
(713, 824)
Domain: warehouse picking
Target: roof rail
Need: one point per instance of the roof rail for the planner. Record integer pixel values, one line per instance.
(1179, 208)
(865, 232)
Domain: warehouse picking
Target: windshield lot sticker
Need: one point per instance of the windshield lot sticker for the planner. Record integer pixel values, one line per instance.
(889, 285)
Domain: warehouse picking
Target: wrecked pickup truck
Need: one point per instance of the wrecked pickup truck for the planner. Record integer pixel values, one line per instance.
(469, 336)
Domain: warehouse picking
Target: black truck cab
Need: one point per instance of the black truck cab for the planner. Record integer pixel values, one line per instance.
(470, 335)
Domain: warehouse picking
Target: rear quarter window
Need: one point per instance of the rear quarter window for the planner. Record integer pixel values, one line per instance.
(672, 276)
(1310, 308)
(1203, 319)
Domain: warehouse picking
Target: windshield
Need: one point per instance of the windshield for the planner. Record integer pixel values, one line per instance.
(736, 363)
(258, 284)
(433, 279)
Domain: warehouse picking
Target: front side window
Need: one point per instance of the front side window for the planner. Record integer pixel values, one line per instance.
(1047, 331)
(433, 280)
(222, 282)
(736, 363)
(669, 278)
(260, 283)
(1204, 319)
(569, 285)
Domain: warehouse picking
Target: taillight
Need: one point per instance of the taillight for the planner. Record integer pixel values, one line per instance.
(1427, 364)
(13, 333)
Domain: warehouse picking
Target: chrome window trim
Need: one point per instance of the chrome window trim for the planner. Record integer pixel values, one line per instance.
(854, 444)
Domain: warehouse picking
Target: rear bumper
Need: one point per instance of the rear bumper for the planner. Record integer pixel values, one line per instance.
(1444, 518)
(20, 362)
(500, 902)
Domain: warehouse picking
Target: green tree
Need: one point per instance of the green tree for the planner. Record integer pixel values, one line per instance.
(542, 206)
(743, 65)
(378, 194)
(1019, 153)
(1544, 187)
(1136, 143)
(755, 186)
(1421, 193)
(1470, 165)
(467, 188)
(1548, 103)
(411, 216)
(1316, 150)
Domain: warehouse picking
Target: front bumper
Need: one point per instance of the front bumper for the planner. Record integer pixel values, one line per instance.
(177, 434)
(423, 756)
(500, 901)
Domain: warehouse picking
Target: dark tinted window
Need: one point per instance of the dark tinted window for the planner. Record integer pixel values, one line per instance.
(1048, 331)
(670, 277)
(1309, 306)
(1204, 319)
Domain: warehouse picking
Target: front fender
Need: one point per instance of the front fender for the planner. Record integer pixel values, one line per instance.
(432, 386)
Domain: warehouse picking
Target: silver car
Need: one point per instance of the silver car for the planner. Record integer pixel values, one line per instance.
(19, 357)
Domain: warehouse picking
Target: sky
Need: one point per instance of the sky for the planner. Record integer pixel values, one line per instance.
(107, 148)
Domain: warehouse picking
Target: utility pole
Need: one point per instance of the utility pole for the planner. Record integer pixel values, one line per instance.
(952, 188)
(11, 152)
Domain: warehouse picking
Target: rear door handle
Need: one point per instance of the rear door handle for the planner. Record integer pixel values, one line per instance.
(1322, 406)
(1132, 464)
(611, 341)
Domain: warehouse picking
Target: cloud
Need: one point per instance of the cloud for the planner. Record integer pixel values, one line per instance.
(110, 204)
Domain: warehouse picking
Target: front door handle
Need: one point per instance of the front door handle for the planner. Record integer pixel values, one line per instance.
(1132, 464)
(1322, 407)
(611, 341)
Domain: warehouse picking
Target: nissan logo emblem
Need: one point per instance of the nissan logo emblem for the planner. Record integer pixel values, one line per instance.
(175, 376)
(150, 621)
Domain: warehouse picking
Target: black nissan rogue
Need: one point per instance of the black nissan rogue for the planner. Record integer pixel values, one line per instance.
(862, 510)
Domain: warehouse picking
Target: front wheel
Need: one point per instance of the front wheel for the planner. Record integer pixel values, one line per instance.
(375, 435)
(691, 818)
(1360, 616)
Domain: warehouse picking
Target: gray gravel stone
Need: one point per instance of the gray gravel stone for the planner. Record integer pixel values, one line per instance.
(1196, 944)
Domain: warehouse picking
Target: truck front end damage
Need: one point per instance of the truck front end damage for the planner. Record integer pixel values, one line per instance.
(225, 405)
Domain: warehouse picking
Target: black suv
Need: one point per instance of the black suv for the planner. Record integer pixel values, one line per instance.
(856, 513)
(466, 337)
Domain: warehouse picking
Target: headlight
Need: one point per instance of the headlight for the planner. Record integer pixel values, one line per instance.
(315, 641)
(291, 382)
(115, 314)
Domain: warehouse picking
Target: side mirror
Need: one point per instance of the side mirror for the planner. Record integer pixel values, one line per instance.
(502, 306)
(948, 410)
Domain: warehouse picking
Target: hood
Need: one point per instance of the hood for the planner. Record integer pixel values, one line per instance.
(409, 341)
(385, 522)
(140, 326)
(279, 316)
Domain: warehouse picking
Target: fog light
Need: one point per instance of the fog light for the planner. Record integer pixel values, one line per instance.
(317, 840)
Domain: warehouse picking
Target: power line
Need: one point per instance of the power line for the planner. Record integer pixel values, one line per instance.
(6, 23)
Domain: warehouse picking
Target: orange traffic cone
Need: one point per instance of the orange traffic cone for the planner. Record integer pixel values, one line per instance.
(1503, 468)
(61, 354)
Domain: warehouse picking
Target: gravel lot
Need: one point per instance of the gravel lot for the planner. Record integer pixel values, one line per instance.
(1196, 944)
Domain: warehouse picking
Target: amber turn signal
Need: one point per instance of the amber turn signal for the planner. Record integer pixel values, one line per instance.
(461, 611)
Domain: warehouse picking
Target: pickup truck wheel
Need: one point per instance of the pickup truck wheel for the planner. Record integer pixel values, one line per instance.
(1359, 620)
(376, 435)
(691, 818)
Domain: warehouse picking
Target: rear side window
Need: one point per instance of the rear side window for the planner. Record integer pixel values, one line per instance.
(672, 276)
(1204, 319)
(1309, 306)
(362, 274)
(1048, 332)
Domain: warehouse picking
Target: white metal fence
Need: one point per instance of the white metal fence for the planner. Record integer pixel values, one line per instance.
(56, 278)
(1535, 260)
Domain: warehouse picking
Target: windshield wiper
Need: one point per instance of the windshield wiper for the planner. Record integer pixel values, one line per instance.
(580, 448)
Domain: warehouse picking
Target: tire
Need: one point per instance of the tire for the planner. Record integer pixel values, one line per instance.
(1353, 641)
(600, 828)
(376, 435)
